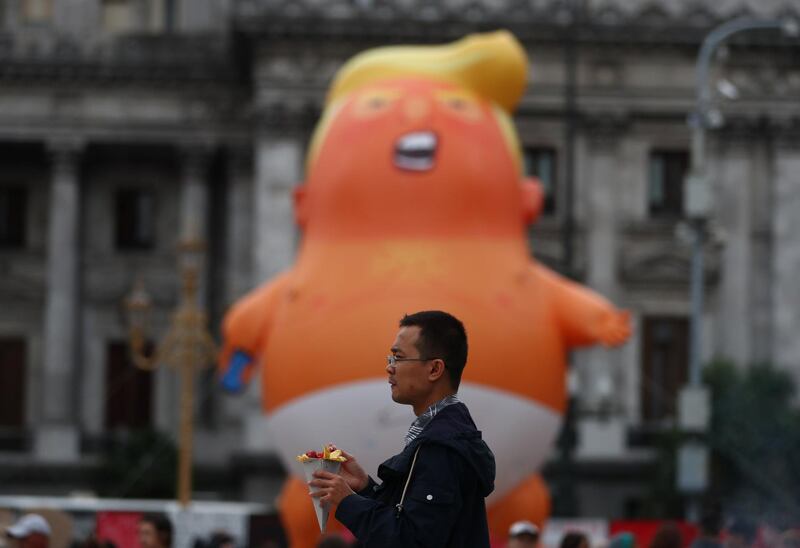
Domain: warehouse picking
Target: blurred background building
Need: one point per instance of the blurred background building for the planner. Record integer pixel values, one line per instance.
(122, 122)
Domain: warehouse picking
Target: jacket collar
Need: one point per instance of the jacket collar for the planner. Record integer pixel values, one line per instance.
(422, 421)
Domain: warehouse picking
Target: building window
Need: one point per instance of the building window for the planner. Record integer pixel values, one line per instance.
(13, 208)
(135, 219)
(118, 16)
(541, 163)
(667, 170)
(129, 390)
(665, 356)
(12, 383)
(34, 11)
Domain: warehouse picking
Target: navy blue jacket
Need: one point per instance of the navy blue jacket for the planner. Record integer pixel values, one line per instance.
(444, 504)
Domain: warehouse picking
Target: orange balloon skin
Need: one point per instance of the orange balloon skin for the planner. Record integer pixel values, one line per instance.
(380, 241)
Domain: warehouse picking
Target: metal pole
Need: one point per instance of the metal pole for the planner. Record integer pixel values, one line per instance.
(694, 410)
(186, 430)
(186, 346)
(570, 101)
(697, 296)
(696, 279)
(699, 213)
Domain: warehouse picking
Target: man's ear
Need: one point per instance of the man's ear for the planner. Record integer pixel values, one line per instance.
(300, 195)
(532, 199)
(437, 370)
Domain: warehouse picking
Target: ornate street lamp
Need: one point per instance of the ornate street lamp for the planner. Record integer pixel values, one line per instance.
(187, 346)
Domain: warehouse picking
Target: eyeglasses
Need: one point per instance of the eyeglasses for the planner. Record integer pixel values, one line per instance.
(392, 360)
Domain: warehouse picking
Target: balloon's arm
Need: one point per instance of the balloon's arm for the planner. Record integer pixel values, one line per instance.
(245, 331)
(584, 317)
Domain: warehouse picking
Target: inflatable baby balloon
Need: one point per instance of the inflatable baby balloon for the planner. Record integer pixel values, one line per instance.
(414, 200)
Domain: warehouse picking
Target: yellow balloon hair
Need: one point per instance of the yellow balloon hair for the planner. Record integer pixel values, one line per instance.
(492, 65)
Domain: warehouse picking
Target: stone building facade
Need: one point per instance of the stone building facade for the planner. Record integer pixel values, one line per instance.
(126, 125)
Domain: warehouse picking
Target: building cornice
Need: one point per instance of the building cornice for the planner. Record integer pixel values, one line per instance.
(171, 60)
(647, 22)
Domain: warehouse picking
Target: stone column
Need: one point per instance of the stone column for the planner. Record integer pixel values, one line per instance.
(57, 435)
(733, 198)
(194, 192)
(278, 165)
(602, 195)
(761, 258)
(239, 254)
(786, 256)
(239, 216)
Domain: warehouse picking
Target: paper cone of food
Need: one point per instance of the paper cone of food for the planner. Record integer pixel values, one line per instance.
(329, 461)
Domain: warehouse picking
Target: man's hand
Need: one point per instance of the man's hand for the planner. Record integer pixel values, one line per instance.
(332, 488)
(353, 474)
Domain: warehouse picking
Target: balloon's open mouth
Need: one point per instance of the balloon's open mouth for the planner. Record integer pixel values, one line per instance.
(415, 151)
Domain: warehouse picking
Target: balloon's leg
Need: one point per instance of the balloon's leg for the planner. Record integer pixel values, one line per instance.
(529, 500)
(298, 517)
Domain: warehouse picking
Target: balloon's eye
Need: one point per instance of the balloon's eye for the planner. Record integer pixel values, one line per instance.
(457, 103)
(461, 105)
(377, 102)
(374, 103)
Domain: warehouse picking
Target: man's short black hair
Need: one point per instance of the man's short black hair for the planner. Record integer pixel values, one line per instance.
(574, 539)
(443, 336)
(162, 525)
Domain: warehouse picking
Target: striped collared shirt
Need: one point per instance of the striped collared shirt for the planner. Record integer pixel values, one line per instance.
(422, 421)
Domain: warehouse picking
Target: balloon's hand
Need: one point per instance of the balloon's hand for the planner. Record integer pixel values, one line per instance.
(614, 327)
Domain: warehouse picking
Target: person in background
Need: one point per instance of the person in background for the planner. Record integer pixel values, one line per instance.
(574, 539)
(624, 539)
(710, 526)
(221, 539)
(790, 539)
(218, 539)
(30, 531)
(741, 533)
(332, 541)
(155, 531)
(93, 542)
(667, 536)
(773, 525)
(523, 534)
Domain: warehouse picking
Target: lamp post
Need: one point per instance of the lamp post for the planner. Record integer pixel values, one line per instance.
(697, 189)
(694, 408)
(187, 346)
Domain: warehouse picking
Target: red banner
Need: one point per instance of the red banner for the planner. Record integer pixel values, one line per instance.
(119, 527)
(645, 530)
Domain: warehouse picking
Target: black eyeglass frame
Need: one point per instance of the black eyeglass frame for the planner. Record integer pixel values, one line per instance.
(392, 360)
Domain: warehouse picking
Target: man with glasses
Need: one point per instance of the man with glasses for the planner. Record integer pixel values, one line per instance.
(432, 493)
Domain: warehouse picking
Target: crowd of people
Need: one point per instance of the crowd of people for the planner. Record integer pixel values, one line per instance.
(739, 532)
(156, 531)
(153, 531)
